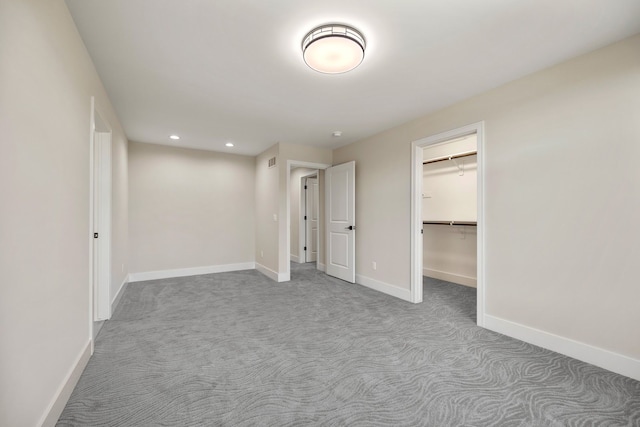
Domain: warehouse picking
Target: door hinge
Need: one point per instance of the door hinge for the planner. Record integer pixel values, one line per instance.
(305, 248)
(305, 217)
(305, 187)
(95, 235)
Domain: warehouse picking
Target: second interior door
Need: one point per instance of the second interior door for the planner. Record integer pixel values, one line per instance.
(340, 213)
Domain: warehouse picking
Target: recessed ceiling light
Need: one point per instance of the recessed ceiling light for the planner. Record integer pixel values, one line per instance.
(229, 144)
(333, 48)
(337, 134)
(174, 137)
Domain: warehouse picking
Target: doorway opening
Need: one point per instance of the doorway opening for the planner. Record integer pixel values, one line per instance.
(296, 171)
(303, 212)
(309, 217)
(447, 221)
(100, 220)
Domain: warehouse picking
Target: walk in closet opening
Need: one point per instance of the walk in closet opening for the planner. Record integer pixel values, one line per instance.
(449, 211)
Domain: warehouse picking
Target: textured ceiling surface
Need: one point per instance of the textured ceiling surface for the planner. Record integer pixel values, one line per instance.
(232, 70)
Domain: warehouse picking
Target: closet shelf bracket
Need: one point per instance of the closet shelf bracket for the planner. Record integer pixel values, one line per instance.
(460, 166)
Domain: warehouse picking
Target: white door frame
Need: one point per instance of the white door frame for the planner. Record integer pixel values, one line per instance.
(416, 210)
(302, 230)
(99, 124)
(290, 165)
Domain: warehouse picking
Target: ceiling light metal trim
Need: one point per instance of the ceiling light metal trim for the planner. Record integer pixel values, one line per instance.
(336, 31)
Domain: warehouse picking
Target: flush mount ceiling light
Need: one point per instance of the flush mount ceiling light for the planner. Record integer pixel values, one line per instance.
(333, 48)
(175, 137)
(229, 144)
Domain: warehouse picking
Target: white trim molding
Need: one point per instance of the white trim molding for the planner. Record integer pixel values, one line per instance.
(320, 266)
(614, 362)
(267, 272)
(284, 277)
(119, 293)
(60, 399)
(385, 288)
(273, 275)
(450, 277)
(294, 258)
(192, 271)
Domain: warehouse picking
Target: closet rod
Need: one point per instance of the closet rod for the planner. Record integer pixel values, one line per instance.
(467, 223)
(452, 156)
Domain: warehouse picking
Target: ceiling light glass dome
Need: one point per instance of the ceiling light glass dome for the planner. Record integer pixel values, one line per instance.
(333, 48)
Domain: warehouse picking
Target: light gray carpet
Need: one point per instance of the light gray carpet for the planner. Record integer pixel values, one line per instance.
(238, 349)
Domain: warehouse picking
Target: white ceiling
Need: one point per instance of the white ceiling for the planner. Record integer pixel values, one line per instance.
(214, 71)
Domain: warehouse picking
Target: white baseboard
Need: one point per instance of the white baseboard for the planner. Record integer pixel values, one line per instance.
(295, 258)
(278, 277)
(97, 327)
(451, 277)
(193, 271)
(284, 277)
(606, 359)
(267, 272)
(118, 296)
(320, 266)
(60, 399)
(394, 291)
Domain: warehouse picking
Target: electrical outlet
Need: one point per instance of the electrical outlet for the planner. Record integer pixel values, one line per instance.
(261, 254)
(123, 268)
(275, 217)
(374, 265)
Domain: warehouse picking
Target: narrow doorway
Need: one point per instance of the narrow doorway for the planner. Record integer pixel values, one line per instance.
(309, 219)
(295, 170)
(302, 245)
(449, 211)
(447, 222)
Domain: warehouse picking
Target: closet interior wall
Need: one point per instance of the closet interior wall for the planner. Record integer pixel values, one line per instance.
(450, 194)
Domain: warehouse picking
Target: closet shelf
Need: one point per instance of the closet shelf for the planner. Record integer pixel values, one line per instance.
(450, 157)
(465, 223)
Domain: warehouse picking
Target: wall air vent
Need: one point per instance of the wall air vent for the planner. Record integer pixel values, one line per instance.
(272, 162)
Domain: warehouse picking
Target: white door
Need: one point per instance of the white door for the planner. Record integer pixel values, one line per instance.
(101, 224)
(340, 211)
(311, 218)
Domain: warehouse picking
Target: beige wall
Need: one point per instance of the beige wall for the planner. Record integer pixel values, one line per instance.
(119, 213)
(294, 194)
(560, 197)
(267, 205)
(382, 205)
(46, 81)
(189, 208)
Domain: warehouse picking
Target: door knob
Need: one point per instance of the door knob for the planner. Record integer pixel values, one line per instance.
(351, 227)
